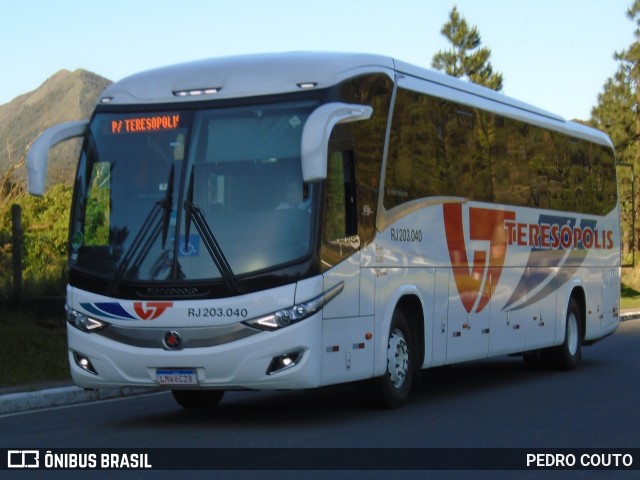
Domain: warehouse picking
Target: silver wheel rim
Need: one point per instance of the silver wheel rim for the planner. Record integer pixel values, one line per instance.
(572, 334)
(397, 358)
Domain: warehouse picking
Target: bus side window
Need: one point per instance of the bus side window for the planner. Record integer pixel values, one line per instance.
(339, 237)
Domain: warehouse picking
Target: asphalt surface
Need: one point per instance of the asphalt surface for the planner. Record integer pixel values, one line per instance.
(34, 397)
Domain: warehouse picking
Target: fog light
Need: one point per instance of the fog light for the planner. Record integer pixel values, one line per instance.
(84, 363)
(284, 362)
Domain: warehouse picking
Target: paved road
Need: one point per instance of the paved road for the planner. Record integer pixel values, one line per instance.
(494, 403)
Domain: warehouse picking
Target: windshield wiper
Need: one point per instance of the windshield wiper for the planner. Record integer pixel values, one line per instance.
(195, 213)
(151, 227)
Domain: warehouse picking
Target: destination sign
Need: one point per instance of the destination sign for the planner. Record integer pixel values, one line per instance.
(145, 124)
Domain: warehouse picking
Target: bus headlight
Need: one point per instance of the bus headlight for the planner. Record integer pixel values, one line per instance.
(289, 316)
(82, 321)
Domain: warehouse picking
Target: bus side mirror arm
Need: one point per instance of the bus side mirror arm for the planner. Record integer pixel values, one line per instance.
(38, 154)
(316, 133)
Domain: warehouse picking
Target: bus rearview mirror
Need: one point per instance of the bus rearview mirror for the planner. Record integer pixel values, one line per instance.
(38, 154)
(316, 133)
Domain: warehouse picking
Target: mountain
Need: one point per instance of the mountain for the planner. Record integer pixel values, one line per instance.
(65, 96)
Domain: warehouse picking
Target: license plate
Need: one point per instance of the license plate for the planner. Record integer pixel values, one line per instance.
(176, 376)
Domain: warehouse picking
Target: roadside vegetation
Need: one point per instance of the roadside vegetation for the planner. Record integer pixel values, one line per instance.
(630, 290)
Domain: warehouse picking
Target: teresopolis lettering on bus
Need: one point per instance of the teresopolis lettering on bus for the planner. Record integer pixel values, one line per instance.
(145, 124)
(555, 236)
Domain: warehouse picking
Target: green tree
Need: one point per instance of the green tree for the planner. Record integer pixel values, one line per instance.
(45, 222)
(466, 58)
(45, 227)
(11, 191)
(617, 111)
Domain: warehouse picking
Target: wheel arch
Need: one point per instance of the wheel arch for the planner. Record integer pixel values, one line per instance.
(413, 309)
(412, 305)
(579, 295)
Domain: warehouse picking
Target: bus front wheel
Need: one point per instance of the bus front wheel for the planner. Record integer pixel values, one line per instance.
(393, 388)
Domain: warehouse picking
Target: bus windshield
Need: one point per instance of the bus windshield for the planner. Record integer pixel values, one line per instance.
(192, 194)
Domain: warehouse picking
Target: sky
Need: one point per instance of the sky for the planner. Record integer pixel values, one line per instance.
(554, 54)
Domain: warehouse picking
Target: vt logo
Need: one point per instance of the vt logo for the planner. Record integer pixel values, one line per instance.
(151, 310)
(476, 272)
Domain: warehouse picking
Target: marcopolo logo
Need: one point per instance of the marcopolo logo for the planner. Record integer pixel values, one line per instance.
(477, 271)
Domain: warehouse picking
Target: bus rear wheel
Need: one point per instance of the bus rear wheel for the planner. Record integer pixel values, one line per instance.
(567, 355)
(393, 388)
(197, 399)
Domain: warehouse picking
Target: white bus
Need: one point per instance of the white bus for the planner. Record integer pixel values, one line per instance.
(292, 221)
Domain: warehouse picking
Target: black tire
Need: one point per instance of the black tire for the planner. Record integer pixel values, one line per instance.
(393, 388)
(197, 399)
(568, 355)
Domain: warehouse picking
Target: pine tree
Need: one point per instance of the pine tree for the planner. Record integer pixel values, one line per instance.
(622, 93)
(466, 58)
(616, 114)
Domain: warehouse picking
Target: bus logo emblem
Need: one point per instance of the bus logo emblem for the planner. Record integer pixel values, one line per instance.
(477, 277)
(151, 310)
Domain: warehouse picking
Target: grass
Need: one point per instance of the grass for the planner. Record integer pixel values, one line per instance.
(630, 291)
(630, 297)
(34, 343)
(34, 347)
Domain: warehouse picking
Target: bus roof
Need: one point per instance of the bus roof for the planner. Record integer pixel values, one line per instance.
(276, 73)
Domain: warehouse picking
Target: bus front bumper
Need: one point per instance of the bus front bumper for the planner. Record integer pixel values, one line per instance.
(284, 359)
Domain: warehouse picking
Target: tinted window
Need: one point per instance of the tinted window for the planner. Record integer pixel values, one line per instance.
(441, 148)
